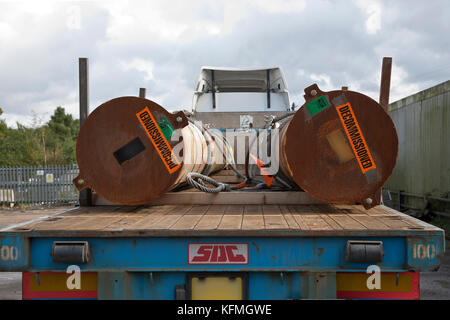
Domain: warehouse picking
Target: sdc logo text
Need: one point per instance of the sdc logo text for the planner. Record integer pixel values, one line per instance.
(218, 253)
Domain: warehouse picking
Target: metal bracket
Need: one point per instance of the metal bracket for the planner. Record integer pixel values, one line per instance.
(180, 292)
(71, 251)
(364, 251)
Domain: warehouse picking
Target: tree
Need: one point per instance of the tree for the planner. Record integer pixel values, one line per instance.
(62, 136)
(3, 126)
(63, 125)
(13, 148)
(40, 144)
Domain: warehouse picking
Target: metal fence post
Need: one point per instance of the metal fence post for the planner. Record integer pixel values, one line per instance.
(400, 200)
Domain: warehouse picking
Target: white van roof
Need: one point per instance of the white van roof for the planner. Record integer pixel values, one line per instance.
(241, 79)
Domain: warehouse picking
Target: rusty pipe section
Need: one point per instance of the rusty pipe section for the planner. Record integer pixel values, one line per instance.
(131, 150)
(340, 147)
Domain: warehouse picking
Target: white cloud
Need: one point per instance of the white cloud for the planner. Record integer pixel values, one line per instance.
(372, 10)
(400, 87)
(284, 6)
(324, 81)
(39, 9)
(73, 18)
(161, 45)
(6, 32)
(11, 119)
(142, 65)
(154, 21)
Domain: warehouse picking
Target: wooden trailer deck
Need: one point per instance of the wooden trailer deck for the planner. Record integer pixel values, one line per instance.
(219, 220)
(235, 213)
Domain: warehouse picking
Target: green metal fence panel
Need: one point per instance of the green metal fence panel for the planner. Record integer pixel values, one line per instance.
(38, 185)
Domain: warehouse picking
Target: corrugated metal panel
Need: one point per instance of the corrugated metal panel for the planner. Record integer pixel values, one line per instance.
(422, 121)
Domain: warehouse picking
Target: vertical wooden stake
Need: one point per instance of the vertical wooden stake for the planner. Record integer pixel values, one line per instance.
(385, 85)
(141, 92)
(86, 194)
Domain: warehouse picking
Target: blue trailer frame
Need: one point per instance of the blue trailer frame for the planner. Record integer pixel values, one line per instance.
(284, 266)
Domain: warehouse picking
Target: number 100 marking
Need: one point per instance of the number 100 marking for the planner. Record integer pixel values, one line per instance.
(421, 251)
(9, 253)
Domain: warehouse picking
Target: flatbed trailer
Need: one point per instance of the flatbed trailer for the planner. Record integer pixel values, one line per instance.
(228, 245)
(192, 245)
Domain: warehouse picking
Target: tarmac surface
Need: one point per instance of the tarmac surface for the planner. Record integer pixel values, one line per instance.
(10, 286)
(436, 285)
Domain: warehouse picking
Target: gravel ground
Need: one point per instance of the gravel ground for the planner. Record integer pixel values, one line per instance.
(10, 286)
(436, 285)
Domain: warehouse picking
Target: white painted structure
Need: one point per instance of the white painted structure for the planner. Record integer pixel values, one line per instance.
(240, 90)
(7, 196)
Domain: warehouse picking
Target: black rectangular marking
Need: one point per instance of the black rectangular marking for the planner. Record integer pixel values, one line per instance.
(129, 151)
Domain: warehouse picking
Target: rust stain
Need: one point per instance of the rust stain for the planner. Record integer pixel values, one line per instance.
(256, 247)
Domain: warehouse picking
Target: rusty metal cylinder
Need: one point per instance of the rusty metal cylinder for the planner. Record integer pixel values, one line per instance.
(340, 147)
(131, 150)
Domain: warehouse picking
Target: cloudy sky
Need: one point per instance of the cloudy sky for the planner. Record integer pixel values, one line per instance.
(161, 45)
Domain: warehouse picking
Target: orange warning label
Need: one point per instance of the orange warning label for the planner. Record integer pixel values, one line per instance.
(159, 141)
(355, 137)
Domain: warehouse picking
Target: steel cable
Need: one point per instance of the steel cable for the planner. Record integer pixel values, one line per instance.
(198, 180)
